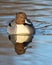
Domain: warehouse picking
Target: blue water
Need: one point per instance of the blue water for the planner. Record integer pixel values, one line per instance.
(40, 13)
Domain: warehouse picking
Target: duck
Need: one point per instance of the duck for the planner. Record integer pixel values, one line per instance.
(21, 32)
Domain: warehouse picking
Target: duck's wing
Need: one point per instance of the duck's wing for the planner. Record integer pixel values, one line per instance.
(28, 22)
(10, 23)
(11, 27)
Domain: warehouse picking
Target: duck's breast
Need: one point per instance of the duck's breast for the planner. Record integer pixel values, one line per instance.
(24, 29)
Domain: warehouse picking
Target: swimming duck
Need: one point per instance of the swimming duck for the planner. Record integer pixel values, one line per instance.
(21, 32)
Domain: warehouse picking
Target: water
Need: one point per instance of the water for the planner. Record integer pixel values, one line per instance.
(40, 13)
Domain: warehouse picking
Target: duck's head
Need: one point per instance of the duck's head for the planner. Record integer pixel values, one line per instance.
(20, 18)
(19, 48)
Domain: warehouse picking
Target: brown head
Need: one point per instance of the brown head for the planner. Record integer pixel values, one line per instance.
(19, 48)
(20, 18)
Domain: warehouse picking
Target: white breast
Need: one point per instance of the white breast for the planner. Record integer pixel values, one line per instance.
(24, 29)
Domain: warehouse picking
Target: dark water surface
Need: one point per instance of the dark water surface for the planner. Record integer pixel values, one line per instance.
(40, 13)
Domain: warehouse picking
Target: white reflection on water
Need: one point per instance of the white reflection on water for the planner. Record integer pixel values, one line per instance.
(40, 12)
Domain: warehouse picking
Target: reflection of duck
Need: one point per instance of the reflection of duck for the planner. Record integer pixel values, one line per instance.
(21, 32)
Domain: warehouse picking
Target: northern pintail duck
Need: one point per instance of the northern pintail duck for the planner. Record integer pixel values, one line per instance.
(21, 31)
